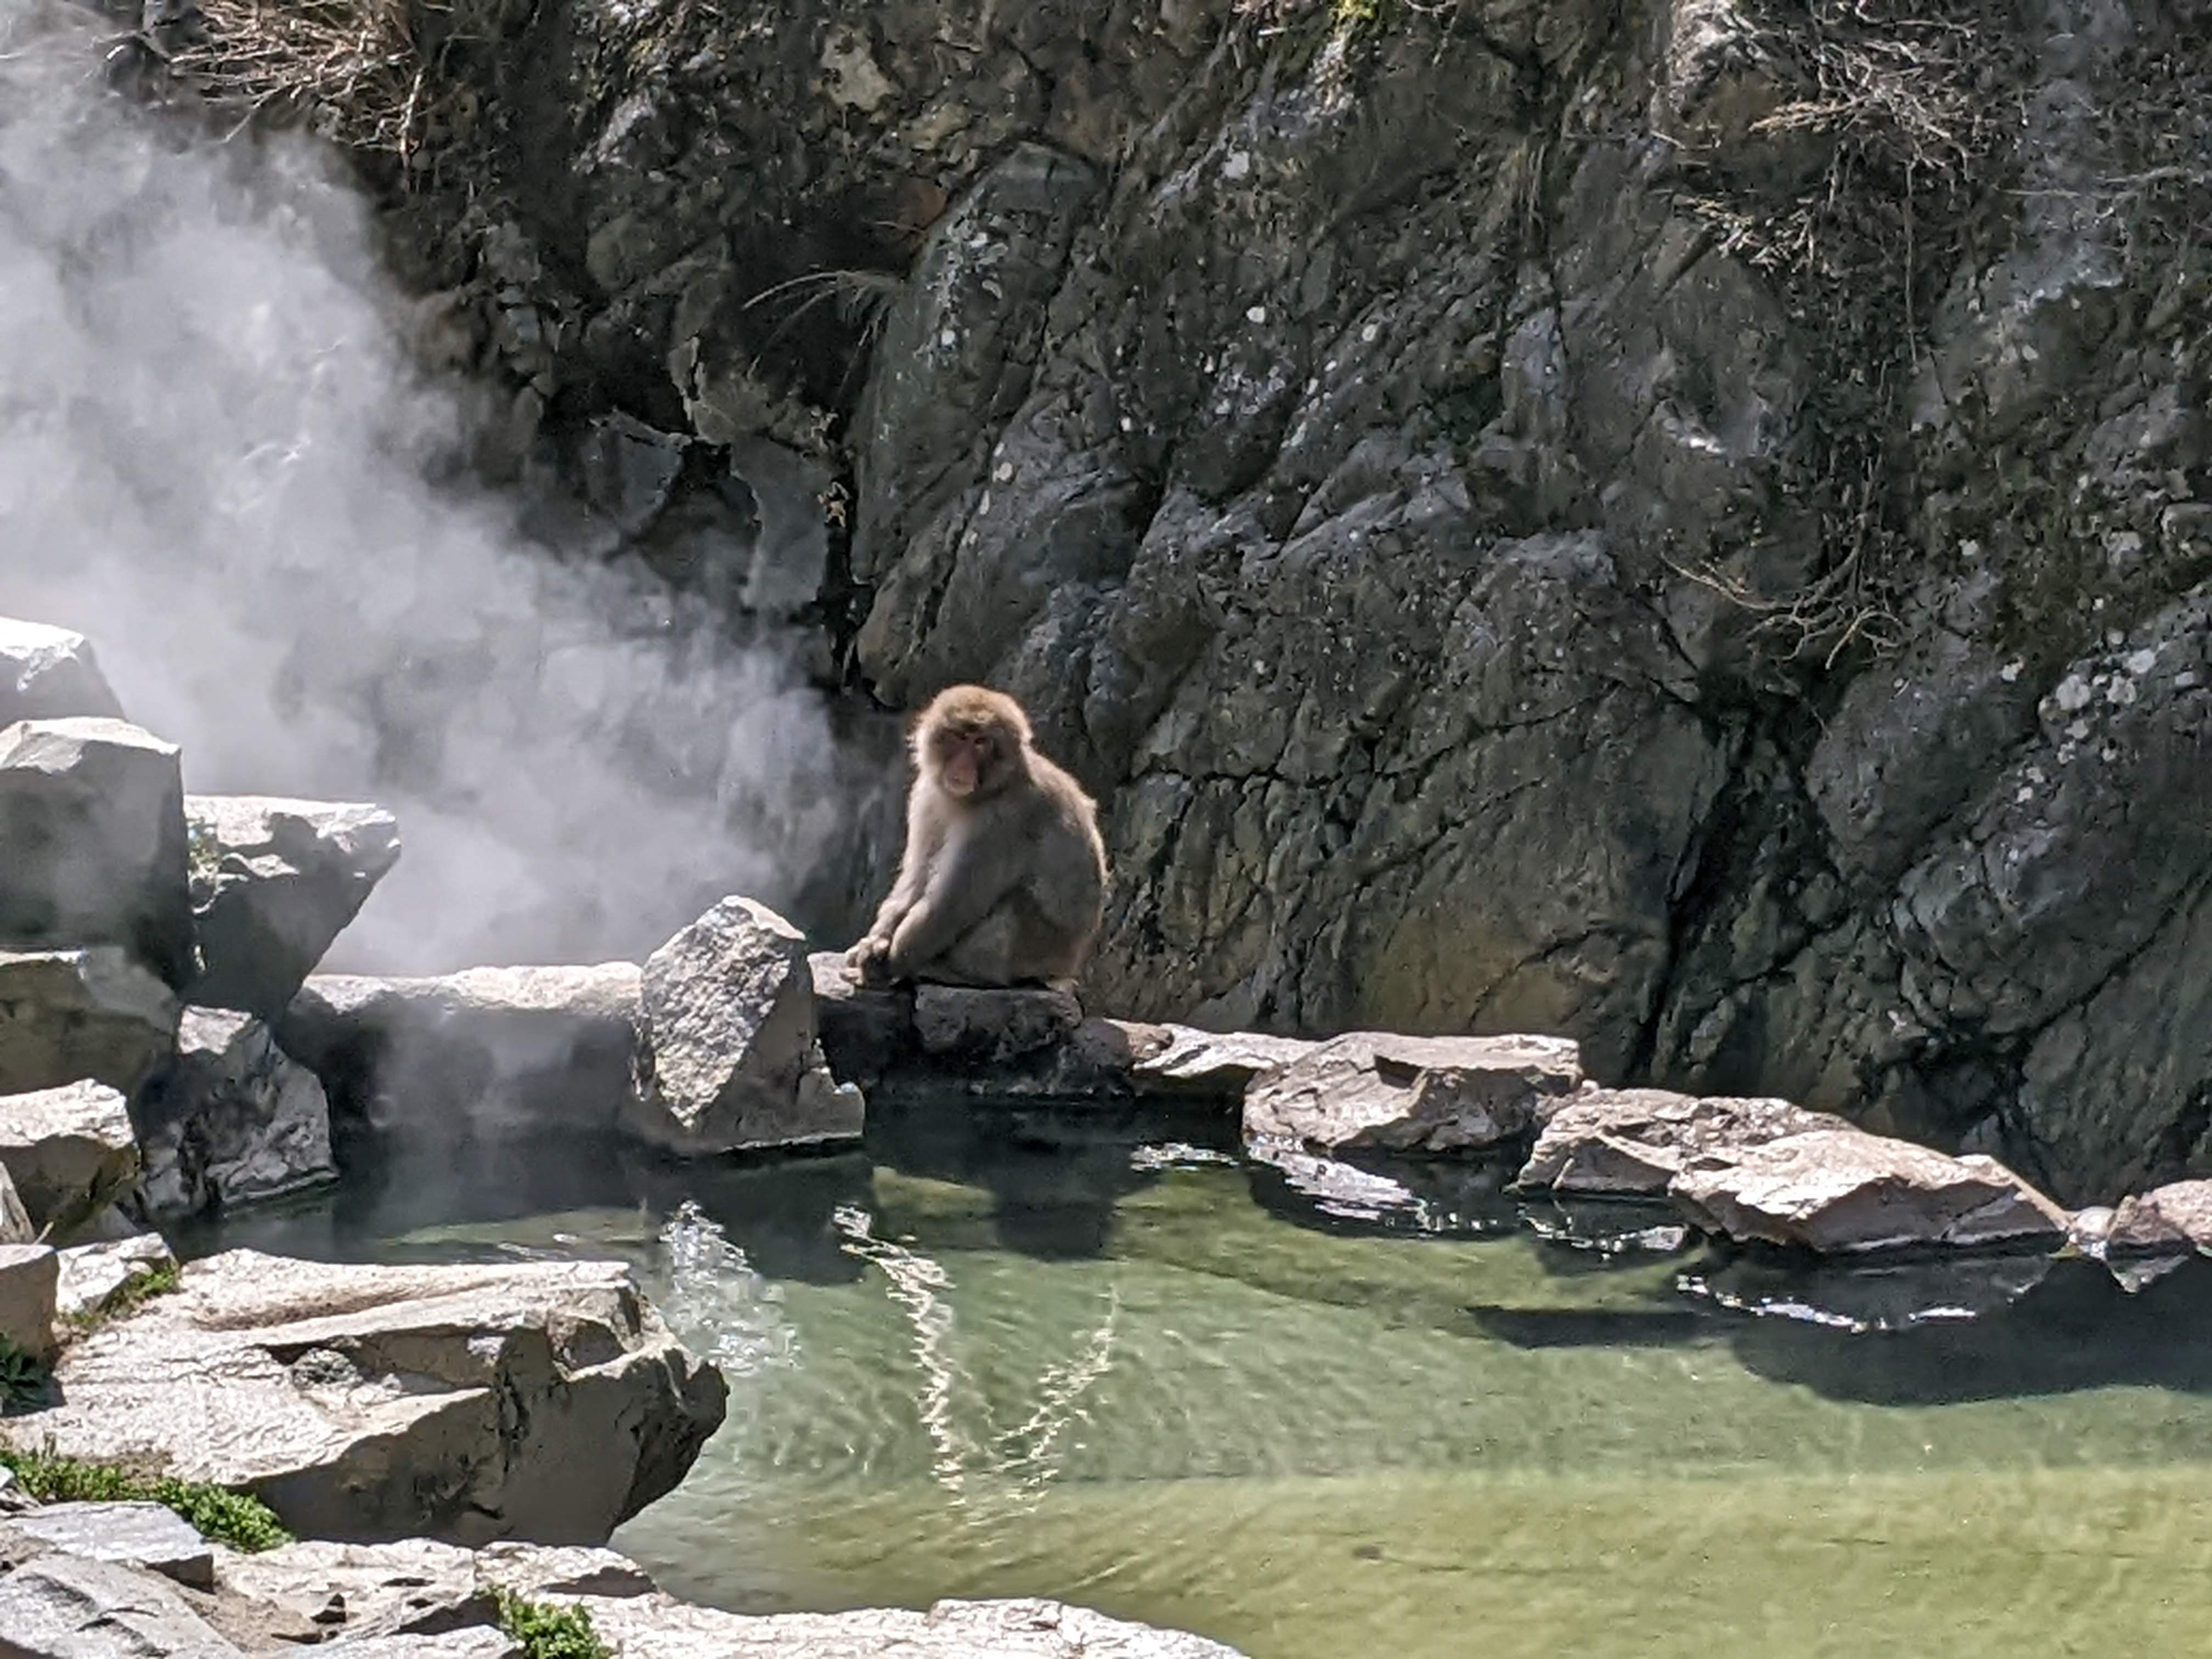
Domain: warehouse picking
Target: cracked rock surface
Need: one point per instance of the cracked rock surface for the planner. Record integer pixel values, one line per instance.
(1522, 525)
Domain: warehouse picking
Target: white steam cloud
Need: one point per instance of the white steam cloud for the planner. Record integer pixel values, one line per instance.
(212, 461)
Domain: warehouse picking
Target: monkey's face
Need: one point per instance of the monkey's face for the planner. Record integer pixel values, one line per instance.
(969, 760)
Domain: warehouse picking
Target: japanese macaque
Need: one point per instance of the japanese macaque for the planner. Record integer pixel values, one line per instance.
(1003, 877)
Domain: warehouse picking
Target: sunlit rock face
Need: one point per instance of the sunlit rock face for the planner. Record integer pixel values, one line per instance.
(1523, 526)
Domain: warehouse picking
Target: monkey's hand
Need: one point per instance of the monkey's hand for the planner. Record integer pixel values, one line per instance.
(871, 960)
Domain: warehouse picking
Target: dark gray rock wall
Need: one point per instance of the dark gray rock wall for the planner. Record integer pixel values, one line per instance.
(1682, 525)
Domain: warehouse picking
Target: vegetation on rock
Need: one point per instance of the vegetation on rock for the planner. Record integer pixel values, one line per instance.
(22, 1379)
(127, 1298)
(547, 1632)
(223, 1516)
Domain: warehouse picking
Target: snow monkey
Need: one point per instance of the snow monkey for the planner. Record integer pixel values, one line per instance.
(1004, 876)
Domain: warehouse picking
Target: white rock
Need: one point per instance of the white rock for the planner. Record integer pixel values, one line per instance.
(92, 815)
(541, 1400)
(149, 1536)
(1376, 1091)
(49, 673)
(68, 1151)
(728, 1039)
(66, 1606)
(91, 1274)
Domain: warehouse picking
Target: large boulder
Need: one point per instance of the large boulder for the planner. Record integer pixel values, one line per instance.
(69, 1152)
(729, 1058)
(273, 882)
(1372, 1092)
(1842, 1191)
(67, 1015)
(28, 1276)
(1633, 1142)
(92, 815)
(488, 1049)
(543, 1401)
(230, 1119)
(49, 673)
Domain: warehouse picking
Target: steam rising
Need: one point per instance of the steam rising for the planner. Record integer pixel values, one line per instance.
(212, 461)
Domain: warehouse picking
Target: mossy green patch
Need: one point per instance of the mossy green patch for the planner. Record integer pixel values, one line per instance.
(547, 1632)
(224, 1517)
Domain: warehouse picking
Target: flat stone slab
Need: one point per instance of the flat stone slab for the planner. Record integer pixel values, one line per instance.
(416, 1585)
(528, 1045)
(1377, 1092)
(68, 1151)
(273, 883)
(478, 1641)
(1839, 1191)
(658, 1627)
(149, 1535)
(1633, 1142)
(71, 1606)
(541, 1400)
(50, 673)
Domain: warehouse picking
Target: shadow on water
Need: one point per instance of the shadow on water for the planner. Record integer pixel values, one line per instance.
(1053, 1183)
(1055, 1173)
(2073, 1328)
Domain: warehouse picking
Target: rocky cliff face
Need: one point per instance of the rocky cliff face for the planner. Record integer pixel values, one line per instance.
(1683, 526)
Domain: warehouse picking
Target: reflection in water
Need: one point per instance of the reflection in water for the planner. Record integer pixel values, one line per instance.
(1024, 1453)
(1092, 1355)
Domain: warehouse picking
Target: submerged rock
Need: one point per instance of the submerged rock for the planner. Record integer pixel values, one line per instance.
(49, 673)
(1874, 1295)
(492, 1048)
(1373, 1090)
(28, 1274)
(728, 1057)
(67, 1153)
(1837, 1191)
(273, 883)
(544, 1401)
(92, 817)
(1632, 1142)
(230, 1119)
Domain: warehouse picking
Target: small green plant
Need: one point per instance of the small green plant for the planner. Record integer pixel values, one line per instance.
(22, 1379)
(547, 1632)
(219, 1515)
(127, 1298)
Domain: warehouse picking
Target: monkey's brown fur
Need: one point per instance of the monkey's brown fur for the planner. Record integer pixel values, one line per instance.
(1004, 876)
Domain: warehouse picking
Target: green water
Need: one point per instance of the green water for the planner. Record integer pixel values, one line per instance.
(981, 1364)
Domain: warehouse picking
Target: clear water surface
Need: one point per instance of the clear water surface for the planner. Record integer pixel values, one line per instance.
(1089, 1355)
